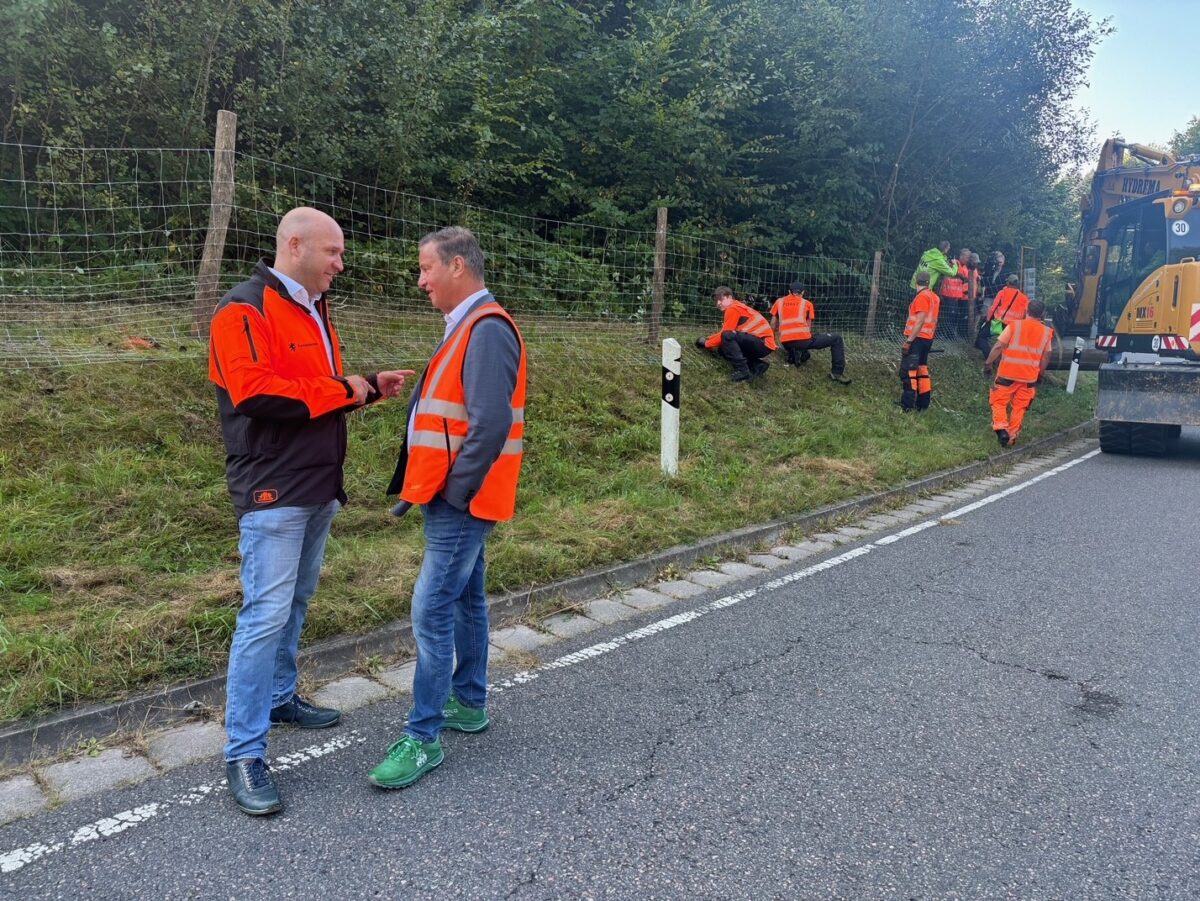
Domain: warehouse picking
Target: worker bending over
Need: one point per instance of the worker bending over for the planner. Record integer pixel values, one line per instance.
(1023, 351)
(1011, 304)
(744, 340)
(792, 316)
(914, 352)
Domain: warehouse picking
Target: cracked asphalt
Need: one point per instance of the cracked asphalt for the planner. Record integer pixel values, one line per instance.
(1000, 706)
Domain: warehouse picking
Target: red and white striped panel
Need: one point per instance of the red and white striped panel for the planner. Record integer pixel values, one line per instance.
(1174, 342)
(1106, 341)
(1194, 332)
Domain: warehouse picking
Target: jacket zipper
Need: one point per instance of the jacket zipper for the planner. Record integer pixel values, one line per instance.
(250, 338)
(446, 432)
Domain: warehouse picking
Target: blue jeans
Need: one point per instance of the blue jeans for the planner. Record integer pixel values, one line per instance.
(449, 617)
(282, 549)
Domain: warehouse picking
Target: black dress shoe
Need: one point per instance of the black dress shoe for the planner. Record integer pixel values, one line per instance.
(252, 786)
(298, 712)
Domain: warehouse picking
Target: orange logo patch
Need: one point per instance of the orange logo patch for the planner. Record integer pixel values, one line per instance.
(266, 496)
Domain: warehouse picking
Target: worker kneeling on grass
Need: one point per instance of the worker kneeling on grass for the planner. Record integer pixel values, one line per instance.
(745, 338)
(1023, 352)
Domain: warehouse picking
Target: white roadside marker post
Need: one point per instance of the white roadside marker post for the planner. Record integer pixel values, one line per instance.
(670, 406)
(1075, 366)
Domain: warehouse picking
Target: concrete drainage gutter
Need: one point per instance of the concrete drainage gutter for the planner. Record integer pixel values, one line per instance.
(48, 736)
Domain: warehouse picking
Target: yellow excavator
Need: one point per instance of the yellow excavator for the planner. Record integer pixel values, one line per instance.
(1137, 295)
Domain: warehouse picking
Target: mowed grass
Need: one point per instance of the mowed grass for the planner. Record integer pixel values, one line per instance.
(118, 568)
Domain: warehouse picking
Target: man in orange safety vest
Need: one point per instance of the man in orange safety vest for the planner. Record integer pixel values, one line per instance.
(745, 337)
(914, 352)
(1023, 352)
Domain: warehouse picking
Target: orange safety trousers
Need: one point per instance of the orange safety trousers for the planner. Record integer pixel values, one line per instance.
(1020, 395)
(914, 377)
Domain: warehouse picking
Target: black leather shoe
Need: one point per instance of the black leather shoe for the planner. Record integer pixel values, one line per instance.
(252, 787)
(298, 712)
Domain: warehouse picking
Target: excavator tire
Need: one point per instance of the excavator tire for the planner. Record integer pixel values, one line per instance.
(1148, 440)
(1115, 437)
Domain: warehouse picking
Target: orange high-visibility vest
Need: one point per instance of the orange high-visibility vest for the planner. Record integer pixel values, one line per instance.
(1010, 305)
(1021, 358)
(954, 287)
(740, 318)
(930, 303)
(795, 314)
(440, 425)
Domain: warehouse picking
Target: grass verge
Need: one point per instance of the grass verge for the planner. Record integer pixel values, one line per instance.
(118, 559)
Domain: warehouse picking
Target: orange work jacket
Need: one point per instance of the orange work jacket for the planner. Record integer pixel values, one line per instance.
(1010, 305)
(795, 314)
(440, 426)
(740, 318)
(928, 302)
(1024, 342)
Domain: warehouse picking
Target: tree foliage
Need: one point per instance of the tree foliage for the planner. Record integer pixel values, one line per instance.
(829, 127)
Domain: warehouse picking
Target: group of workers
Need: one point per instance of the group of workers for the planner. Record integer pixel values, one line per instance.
(1012, 338)
(746, 338)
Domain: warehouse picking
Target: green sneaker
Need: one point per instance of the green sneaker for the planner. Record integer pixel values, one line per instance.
(407, 761)
(464, 719)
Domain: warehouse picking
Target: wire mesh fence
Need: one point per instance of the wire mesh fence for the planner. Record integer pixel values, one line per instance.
(100, 250)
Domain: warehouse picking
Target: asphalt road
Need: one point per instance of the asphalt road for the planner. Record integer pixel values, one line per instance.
(1002, 705)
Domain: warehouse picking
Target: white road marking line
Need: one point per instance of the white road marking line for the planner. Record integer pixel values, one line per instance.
(11, 861)
(14, 860)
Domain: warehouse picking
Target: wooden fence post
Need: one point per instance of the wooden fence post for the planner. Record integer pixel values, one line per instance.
(874, 301)
(660, 275)
(208, 280)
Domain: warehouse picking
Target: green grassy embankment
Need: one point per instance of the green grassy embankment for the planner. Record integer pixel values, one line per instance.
(118, 569)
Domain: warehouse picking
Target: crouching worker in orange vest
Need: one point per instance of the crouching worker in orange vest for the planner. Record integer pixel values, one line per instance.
(744, 340)
(1023, 351)
(914, 352)
(793, 316)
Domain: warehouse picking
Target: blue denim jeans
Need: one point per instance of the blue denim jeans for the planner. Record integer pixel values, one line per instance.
(449, 617)
(282, 549)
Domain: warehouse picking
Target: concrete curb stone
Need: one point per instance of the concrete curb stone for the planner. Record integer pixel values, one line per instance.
(680, 589)
(186, 744)
(398, 678)
(643, 599)
(741, 570)
(568, 625)
(86, 775)
(349, 693)
(20, 797)
(519, 638)
(709, 578)
(604, 610)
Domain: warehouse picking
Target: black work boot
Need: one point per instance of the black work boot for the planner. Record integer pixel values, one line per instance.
(760, 369)
(252, 787)
(299, 712)
(1002, 437)
(740, 375)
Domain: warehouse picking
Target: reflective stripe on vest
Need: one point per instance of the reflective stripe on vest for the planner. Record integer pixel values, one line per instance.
(1021, 360)
(756, 325)
(795, 318)
(440, 427)
(930, 324)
